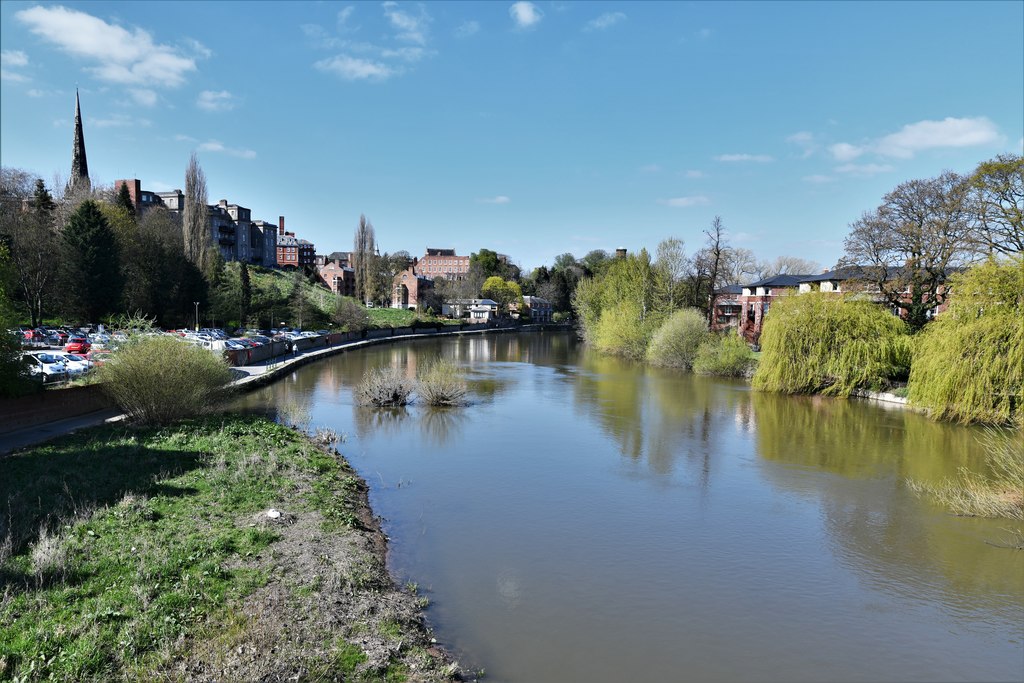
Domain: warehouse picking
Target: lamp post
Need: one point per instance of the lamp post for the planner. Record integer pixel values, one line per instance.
(197, 315)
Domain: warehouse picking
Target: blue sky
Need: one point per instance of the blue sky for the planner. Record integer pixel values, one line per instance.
(528, 128)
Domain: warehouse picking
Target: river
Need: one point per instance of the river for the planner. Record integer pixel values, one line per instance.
(590, 519)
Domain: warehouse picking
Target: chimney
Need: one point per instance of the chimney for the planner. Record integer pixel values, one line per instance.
(620, 252)
(280, 225)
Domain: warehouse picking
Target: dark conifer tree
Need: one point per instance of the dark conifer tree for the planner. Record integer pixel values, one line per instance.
(245, 298)
(91, 280)
(124, 199)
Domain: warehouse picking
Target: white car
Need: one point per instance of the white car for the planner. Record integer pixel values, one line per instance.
(48, 367)
(76, 365)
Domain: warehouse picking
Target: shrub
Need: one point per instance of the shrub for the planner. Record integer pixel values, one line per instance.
(559, 317)
(725, 355)
(158, 380)
(623, 331)
(350, 315)
(676, 342)
(821, 342)
(441, 384)
(384, 387)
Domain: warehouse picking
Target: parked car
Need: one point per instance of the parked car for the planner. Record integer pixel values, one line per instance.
(76, 365)
(47, 367)
(78, 345)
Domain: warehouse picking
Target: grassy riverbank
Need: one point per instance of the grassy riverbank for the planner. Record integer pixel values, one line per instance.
(149, 554)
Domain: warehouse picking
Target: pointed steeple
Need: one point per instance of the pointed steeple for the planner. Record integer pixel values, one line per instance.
(79, 179)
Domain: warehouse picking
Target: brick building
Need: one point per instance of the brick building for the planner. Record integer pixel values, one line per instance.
(338, 276)
(443, 263)
(409, 287)
(293, 252)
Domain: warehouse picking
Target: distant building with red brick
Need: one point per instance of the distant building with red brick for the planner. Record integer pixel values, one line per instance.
(443, 263)
(409, 287)
(339, 277)
(293, 252)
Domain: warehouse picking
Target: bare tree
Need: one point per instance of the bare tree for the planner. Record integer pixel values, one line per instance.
(709, 264)
(28, 223)
(907, 246)
(363, 255)
(789, 265)
(672, 264)
(740, 266)
(195, 215)
(997, 201)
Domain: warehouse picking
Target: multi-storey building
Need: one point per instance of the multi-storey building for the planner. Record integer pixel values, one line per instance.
(293, 252)
(338, 276)
(263, 243)
(443, 263)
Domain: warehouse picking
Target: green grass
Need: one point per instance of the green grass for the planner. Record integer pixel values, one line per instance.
(121, 545)
(391, 317)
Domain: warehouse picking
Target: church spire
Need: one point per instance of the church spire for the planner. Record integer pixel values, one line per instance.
(79, 179)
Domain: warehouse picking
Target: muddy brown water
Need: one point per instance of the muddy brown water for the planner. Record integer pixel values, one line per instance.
(589, 519)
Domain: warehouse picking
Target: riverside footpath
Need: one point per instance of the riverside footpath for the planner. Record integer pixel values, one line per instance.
(56, 412)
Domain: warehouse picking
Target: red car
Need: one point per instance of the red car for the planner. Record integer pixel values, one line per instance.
(79, 345)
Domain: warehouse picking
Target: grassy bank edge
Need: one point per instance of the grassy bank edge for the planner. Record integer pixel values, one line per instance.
(147, 553)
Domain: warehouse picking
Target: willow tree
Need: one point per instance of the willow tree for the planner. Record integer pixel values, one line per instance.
(821, 342)
(969, 363)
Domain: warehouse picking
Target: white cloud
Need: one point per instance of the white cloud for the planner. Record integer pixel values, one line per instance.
(950, 132)
(651, 168)
(221, 100)
(119, 121)
(694, 174)
(697, 200)
(500, 199)
(605, 21)
(844, 151)
(760, 158)
(864, 169)
(352, 69)
(406, 54)
(217, 146)
(199, 50)
(410, 29)
(143, 97)
(467, 29)
(121, 56)
(818, 179)
(525, 14)
(12, 76)
(13, 58)
(805, 141)
(343, 16)
(36, 93)
(184, 138)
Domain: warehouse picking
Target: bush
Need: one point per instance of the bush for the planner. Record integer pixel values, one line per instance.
(969, 362)
(676, 342)
(821, 342)
(725, 355)
(350, 315)
(158, 380)
(624, 331)
(559, 317)
(441, 385)
(384, 387)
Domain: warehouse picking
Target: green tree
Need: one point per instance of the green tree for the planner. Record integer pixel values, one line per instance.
(91, 279)
(32, 239)
(364, 261)
(14, 379)
(244, 293)
(820, 342)
(124, 199)
(969, 362)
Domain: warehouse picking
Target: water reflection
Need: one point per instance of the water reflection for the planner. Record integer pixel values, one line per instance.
(678, 513)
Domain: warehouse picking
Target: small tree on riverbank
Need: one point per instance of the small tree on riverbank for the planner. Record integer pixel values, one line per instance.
(676, 342)
(820, 342)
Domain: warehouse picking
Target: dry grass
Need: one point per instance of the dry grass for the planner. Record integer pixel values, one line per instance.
(999, 495)
(384, 388)
(441, 384)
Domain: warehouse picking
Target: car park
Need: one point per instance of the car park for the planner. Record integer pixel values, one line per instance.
(78, 345)
(75, 364)
(46, 367)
